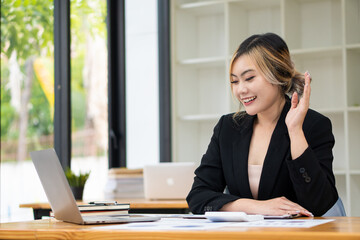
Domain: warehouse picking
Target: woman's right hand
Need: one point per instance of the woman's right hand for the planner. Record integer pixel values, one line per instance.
(281, 206)
(276, 207)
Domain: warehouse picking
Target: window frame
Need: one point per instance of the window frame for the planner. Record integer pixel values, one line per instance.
(164, 80)
(62, 108)
(116, 82)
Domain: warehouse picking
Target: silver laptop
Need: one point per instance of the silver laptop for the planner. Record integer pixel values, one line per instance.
(168, 180)
(62, 200)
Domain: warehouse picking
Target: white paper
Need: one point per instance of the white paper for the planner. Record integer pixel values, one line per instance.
(285, 223)
(171, 224)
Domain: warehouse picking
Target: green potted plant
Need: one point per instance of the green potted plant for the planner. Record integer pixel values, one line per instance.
(77, 182)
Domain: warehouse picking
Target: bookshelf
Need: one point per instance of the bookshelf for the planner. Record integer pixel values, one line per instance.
(206, 33)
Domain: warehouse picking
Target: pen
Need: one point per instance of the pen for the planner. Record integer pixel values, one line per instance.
(104, 203)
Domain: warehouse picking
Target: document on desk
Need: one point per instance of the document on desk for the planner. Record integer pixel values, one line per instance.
(171, 224)
(205, 224)
(284, 223)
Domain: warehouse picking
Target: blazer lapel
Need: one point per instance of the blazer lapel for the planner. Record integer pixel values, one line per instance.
(241, 143)
(278, 152)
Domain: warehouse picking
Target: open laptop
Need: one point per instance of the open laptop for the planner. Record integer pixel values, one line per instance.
(62, 200)
(168, 180)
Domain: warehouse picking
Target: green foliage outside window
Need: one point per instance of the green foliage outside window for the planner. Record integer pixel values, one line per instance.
(7, 113)
(27, 27)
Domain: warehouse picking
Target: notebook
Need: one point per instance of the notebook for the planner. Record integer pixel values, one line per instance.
(60, 197)
(168, 180)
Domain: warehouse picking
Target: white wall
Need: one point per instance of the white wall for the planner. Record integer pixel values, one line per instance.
(142, 101)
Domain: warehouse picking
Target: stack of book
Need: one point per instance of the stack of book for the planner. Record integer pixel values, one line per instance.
(124, 183)
(95, 208)
(103, 208)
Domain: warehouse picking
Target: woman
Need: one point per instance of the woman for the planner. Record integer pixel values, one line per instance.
(276, 157)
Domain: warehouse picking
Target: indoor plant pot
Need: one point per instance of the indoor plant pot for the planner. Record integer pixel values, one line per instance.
(77, 182)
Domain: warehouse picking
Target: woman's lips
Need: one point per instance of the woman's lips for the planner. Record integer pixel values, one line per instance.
(248, 101)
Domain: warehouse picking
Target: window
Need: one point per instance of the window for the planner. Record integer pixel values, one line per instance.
(142, 101)
(28, 88)
(27, 98)
(89, 98)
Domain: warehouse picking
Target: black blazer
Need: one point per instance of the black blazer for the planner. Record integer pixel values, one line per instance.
(307, 180)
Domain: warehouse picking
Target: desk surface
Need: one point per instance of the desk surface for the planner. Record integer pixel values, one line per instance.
(341, 228)
(134, 204)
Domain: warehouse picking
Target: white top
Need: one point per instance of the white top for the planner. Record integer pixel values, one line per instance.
(254, 172)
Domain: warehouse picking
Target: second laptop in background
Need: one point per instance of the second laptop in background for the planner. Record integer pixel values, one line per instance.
(168, 180)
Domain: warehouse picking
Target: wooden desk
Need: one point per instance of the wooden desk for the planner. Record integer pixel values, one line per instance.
(136, 206)
(341, 228)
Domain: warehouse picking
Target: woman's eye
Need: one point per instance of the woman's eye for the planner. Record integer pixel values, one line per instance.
(234, 81)
(249, 78)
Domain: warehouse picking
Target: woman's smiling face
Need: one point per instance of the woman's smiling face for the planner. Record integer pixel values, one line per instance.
(251, 88)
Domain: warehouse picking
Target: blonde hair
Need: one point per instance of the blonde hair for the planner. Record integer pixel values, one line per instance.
(271, 55)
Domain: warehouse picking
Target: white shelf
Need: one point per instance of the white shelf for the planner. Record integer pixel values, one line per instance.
(245, 18)
(328, 69)
(338, 128)
(310, 24)
(204, 62)
(353, 77)
(352, 21)
(353, 109)
(326, 111)
(355, 172)
(339, 172)
(195, 88)
(354, 140)
(202, 7)
(317, 52)
(199, 30)
(353, 46)
(323, 37)
(355, 195)
(200, 118)
(341, 185)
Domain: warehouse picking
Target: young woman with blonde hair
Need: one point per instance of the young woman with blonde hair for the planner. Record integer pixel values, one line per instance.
(275, 157)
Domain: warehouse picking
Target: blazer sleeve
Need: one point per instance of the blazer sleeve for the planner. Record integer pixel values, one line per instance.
(311, 173)
(209, 182)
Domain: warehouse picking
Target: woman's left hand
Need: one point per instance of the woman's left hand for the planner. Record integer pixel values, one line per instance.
(296, 115)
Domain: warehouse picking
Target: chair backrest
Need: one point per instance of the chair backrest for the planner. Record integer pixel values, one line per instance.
(337, 210)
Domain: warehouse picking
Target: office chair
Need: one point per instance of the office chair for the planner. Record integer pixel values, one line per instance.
(337, 210)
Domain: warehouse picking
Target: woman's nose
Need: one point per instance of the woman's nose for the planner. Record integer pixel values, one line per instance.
(242, 88)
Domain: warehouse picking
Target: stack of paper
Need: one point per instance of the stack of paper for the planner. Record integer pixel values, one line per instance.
(124, 183)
